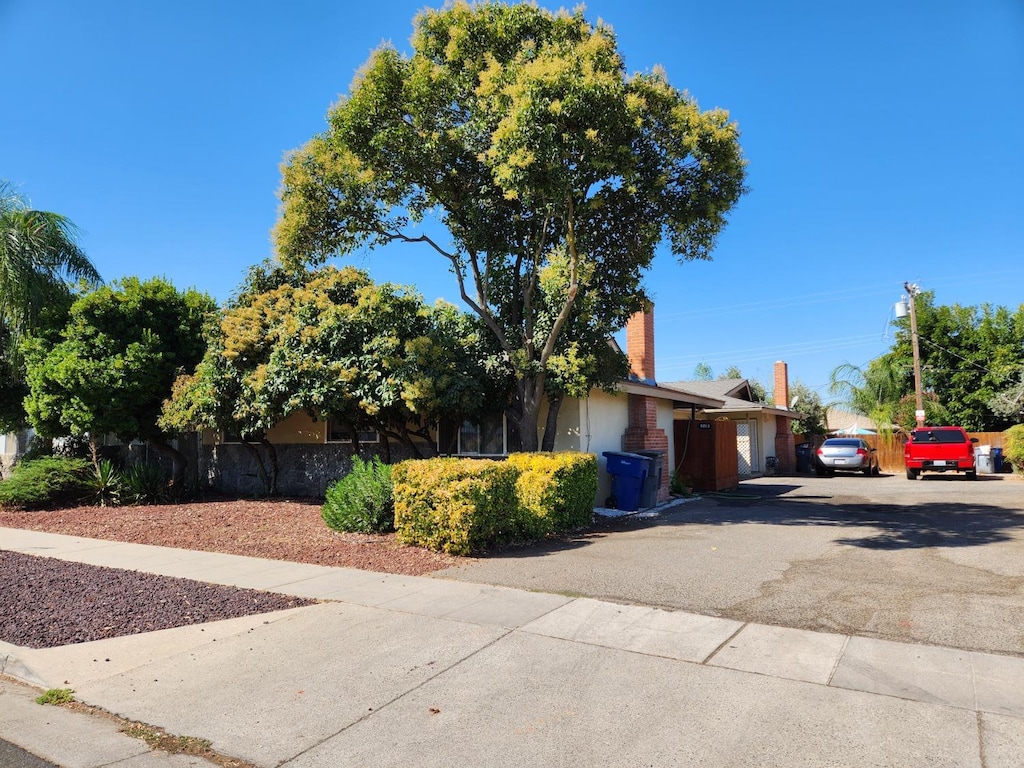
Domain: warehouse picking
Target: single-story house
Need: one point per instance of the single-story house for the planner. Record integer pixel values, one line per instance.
(764, 435)
(313, 453)
(642, 415)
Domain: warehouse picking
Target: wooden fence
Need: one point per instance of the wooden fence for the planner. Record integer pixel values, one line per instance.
(890, 449)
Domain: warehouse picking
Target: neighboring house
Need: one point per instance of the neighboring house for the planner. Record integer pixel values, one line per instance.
(639, 417)
(764, 434)
(839, 422)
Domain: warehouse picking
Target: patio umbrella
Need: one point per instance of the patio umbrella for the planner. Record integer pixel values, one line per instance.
(855, 430)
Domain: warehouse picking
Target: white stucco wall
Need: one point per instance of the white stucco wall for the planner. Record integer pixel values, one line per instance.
(603, 421)
(569, 419)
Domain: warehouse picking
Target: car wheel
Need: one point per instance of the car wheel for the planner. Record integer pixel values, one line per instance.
(820, 471)
(878, 470)
(867, 471)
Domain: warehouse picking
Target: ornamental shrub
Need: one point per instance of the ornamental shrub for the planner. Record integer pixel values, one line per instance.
(144, 484)
(104, 485)
(459, 506)
(555, 490)
(46, 482)
(1013, 447)
(362, 501)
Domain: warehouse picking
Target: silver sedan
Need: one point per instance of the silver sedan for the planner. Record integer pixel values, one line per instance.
(846, 454)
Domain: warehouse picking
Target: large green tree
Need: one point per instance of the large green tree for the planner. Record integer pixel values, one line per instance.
(512, 137)
(969, 357)
(40, 261)
(114, 363)
(807, 401)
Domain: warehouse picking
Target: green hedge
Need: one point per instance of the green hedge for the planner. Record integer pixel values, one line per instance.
(46, 482)
(460, 506)
(556, 490)
(1013, 447)
(465, 506)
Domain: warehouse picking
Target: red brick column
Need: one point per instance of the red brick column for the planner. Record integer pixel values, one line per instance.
(785, 445)
(644, 434)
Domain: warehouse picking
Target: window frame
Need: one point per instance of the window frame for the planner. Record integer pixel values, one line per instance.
(347, 440)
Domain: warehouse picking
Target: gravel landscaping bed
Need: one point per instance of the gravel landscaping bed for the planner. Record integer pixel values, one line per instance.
(46, 602)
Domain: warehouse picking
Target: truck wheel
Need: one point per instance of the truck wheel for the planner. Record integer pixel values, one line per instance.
(912, 473)
(972, 475)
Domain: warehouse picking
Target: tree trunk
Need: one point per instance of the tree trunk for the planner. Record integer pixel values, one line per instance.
(261, 470)
(272, 457)
(524, 416)
(178, 463)
(551, 424)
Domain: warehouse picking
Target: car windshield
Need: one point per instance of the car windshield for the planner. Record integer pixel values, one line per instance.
(842, 443)
(938, 436)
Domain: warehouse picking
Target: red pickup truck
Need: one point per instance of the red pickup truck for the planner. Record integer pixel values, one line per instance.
(939, 449)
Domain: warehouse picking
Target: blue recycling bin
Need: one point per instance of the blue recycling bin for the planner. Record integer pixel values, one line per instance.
(628, 472)
(997, 459)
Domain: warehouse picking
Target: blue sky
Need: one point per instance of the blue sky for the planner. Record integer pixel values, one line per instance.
(885, 142)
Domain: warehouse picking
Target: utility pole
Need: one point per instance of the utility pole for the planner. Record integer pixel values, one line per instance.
(912, 290)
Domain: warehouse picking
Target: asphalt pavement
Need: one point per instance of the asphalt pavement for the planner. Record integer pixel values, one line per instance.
(420, 671)
(938, 561)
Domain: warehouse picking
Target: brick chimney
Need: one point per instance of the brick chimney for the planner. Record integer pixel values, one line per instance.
(781, 384)
(642, 432)
(640, 344)
(785, 442)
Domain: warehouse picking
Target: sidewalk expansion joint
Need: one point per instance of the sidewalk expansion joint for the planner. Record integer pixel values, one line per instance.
(724, 643)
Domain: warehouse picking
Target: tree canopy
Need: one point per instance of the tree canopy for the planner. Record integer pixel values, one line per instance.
(114, 362)
(40, 261)
(512, 142)
(333, 344)
(971, 358)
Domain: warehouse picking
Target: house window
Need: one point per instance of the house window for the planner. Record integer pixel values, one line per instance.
(340, 433)
(485, 437)
(232, 436)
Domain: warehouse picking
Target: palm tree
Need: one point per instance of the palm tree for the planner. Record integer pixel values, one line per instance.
(39, 261)
(874, 391)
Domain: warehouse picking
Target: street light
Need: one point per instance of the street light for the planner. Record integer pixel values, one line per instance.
(901, 311)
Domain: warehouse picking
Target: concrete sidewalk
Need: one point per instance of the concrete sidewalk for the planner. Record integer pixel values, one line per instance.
(416, 671)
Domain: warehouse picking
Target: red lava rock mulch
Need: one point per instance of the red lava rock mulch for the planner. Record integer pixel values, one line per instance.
(278, 529)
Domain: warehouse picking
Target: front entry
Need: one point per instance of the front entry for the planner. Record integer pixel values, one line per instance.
(746, 447)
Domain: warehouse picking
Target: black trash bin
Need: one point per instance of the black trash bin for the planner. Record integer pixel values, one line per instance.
(652, 485)
(628, 472)
(803, 457)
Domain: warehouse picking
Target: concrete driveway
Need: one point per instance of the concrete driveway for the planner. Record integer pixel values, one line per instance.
(937, 561)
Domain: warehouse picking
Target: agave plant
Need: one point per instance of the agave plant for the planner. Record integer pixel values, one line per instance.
(144, 484)
(104, 487)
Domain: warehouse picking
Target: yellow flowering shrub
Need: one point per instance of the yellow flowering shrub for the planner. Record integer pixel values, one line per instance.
(556, 490)
(459, 506)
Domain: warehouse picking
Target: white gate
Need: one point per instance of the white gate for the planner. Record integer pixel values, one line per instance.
(746, 447)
